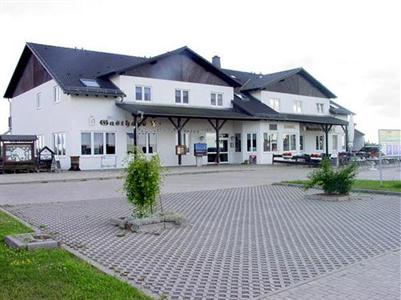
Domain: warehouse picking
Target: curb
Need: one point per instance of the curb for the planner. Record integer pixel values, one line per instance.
(377, 192)
(82, 257)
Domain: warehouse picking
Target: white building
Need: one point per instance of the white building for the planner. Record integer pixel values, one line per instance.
(98, 105)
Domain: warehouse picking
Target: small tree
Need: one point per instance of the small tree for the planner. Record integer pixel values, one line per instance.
(333, 181)
(142, 183)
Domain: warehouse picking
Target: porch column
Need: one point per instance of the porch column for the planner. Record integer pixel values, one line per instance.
(345, 128)
(326, 128)
(179, 126)
(217, 126)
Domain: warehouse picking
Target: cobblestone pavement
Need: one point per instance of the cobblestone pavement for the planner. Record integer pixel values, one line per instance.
(240, 243)
(375, 278)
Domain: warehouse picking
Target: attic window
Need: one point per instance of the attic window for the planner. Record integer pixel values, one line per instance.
(90, 83)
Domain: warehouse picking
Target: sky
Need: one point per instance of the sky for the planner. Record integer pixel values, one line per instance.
(352, 47)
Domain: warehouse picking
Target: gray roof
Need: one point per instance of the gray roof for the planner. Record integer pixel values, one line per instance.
(184, 111)
(337, 109)
(253, 81)
(68, 65)
(359, 133)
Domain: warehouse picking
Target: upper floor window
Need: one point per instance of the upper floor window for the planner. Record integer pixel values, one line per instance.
(181, 96)
(297, 106)
(38, 100)
(90, 83)
(56, 94)
(320, 108)
(216, 99)
(274, 103)
(142, 93)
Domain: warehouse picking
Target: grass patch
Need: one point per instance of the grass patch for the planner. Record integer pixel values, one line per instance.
(53, 274)
(388, 185)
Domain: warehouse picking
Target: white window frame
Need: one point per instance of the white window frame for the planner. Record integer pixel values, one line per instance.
(143, 87)
(267, 137)
(147, 143)
(56, 94)
(274, 103)
(63, 144)
(334, 137)
(217, 94)
(318, 139)
(92, 143)
(320, 108)
(181, 91)
(253, 148)
(297, 106)
(38, 103)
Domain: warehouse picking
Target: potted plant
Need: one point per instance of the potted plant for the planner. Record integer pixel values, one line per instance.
(336, 184)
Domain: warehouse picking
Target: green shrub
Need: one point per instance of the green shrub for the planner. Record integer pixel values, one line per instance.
(333, 181)
(142, 183)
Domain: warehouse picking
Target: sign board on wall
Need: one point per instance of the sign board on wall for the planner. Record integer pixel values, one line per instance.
(390, 141)
(200, 149)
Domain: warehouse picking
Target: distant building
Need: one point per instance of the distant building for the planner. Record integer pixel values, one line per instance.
(99, 105)
(359, 140)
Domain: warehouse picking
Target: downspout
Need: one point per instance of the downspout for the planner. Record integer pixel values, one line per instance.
(9, 117)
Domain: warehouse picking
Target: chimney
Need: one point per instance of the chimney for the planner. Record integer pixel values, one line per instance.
(216, 61)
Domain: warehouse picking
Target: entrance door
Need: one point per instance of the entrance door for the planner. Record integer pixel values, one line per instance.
(211, 148)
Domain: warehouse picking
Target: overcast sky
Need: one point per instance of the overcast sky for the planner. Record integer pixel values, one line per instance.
(352, 47)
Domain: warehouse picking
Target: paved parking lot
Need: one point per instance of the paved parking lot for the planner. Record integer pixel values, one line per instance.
(240, 243)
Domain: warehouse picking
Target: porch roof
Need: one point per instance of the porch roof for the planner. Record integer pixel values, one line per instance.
(184, 112)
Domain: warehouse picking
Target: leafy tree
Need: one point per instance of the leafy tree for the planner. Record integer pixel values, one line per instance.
(333, 181)
(142, 183)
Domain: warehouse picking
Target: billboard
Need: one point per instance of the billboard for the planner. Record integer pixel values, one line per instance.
(390, 141)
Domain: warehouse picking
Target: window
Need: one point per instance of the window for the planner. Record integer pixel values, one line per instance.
(38, 100)
(110, 143)
(320, 108)
(185, 140)
(181, 96)
(216, 99)
(98, 143)
(142, 93)
(90, 83)
(301, 142)
(238, 142)
(59, 143)
(272, 126)
(86, 148)
(274, 103)
(290, 142)
(147, 142)
(251, 142)
(335, 142)
(40, 142)
(56, 94)
(297, 106)
(319, 142)
(269, 142)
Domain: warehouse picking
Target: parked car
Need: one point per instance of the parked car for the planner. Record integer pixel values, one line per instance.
(369, 152)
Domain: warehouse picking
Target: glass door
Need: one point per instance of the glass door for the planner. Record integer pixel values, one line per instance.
(211, 147)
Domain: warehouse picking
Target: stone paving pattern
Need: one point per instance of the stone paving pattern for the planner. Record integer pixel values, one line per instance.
(376, 278)
(241, 243)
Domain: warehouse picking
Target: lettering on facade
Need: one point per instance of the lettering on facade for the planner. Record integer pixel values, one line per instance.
(125, 123)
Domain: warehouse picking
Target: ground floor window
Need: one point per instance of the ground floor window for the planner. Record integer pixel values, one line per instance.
(98, 143)
(251, 142)
(289, 142)
(238, 142)
(147, 142)
(335, 142)
(185, 140)
(319, 142)
(269, 142)
(59, 143)
(301, 143)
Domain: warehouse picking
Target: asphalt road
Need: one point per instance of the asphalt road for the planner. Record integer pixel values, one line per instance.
(111, 188)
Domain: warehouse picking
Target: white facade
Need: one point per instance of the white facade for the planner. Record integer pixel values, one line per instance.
(69, 116)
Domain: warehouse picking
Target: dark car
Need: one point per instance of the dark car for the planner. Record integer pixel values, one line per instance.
(369, 152)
